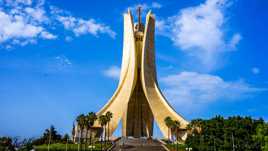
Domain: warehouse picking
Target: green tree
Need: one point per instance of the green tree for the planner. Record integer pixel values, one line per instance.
(176, 126)
(109, 116)
(218, 133)
(52, 136)
(261, 136)
(103, 121)
(73, 131)
(81, 122)
(26, 145)
(86, 126)
(168, 122)
(6, 144)
(92, 117)
(65, 138)
(49, 136)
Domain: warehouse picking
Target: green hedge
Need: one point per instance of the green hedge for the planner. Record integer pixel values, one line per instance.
(173, 147)
(70, 147)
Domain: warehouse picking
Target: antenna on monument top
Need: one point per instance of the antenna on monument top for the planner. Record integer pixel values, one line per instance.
(139, 25)
(139, 15)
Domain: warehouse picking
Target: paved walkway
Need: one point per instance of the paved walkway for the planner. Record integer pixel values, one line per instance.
(138, 144)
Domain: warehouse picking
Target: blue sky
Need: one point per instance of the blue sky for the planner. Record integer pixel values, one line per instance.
(61, 58)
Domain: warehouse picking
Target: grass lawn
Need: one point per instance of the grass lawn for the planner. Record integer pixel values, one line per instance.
(173, 147)
(70, 147)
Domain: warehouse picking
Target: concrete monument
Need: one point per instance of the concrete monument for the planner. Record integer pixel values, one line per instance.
(138, 100)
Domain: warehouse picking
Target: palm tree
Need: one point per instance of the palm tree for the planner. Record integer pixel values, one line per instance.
(86, 126)
(103, 121)
(189, 128)
(73, 131)
(92, 117)
(109, 116)
(196, 125)
(81, 123)
(168, 122)
(177, 125)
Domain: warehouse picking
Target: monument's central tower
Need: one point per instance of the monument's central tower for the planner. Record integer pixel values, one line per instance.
(138, 100)
(139, 117)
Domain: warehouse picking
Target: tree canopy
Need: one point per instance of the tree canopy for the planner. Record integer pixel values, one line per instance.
(226, 134)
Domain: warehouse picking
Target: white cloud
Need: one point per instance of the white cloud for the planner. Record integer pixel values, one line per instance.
(80, 26)
(22, 23)
(112, 72)
(12, 27)
(25, 21)
(199, 32)
(38, 14)
(68, 38)
(17, 2)
(27, 2)
(255, 70)
(47, 35)
(162, 27)
(194, 90)
(68, 22)
(199, 27)
(156, 5)
(235, 40)
(58, 64)
(62, 62)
